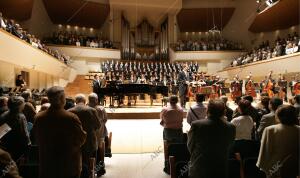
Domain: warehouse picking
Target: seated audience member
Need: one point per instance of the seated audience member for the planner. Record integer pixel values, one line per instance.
(244, 123)
(16, 141)
(29, 111)
(102, 132)
(269, 119)
(279, 152)
(8, 166)
(229, 111)
(91, 124)
(3, 104)
(171, 119)
(59, 135)
(209, 141)
(297, 105)
(198, 111)
(44, 100)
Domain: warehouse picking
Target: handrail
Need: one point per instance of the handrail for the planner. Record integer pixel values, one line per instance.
(22, 41)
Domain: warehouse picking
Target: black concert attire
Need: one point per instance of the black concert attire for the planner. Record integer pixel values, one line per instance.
(183, 77)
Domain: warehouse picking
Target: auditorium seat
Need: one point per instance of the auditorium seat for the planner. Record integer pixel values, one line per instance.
(176, 152)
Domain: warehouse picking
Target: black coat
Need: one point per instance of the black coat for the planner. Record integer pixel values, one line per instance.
(208, 142)
(182, 78)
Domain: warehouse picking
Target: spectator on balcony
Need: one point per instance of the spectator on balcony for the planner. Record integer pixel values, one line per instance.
(2, 23)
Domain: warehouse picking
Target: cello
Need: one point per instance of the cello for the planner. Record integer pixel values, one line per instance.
(235, 89)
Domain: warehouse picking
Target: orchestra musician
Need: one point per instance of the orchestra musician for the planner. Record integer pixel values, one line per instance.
(20, 82)
(183, 82)
(297, 86)
(250, 87)
(282, 84)
(236, 89)
(269, 86)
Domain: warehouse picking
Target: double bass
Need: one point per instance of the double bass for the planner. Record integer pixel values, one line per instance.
(282, 84)
(297, 88)
(269, 87)
(250, 87)
(235, 89)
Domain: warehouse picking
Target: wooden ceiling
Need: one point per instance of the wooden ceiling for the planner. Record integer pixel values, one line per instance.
(77, 12)
(281, 16)
(201, 19)
(19, 10)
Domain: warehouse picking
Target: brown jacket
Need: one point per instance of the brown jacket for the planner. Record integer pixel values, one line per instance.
(29, 112)
(90, 123)
(60, 136)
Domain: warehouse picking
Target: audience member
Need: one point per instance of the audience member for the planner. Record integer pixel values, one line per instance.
(29, 111)
(244, 123)
(269, 119)
(3, 104)
(66, 38)
(279, 152)
(70, 103)
(198, 111)
(229, 111)
(91, 124)
(16, 141)
(59, 135)
(207, 44)
(297, 105)
(171, 119)
(8, 166)
(265, 51)
(15, 29)
(102, 132)
(264, 106)
(209, 141)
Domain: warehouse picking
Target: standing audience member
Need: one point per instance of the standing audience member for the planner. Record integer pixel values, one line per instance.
(16, 141)
(29, 110)
(102, 132)
(229, 111)
(264, 106)
(198, 111)
(44, 104)
(244, 123)
(70, 103)
(269, 119)
(3, 104)
(59, 135)
(208, 142)
(91, 124)
(171, 119)
(279, 152)
(297, 104)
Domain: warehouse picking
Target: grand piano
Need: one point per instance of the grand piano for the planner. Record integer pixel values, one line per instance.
(118, 91)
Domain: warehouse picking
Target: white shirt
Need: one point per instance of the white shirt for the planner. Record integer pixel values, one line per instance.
(244, 125)
(198, 114)
(2, 24)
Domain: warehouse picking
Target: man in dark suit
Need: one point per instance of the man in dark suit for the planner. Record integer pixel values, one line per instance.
(183, 81)
(208, 142)
(59, 135)
(91, 124)
(97, 84)
(269, 119)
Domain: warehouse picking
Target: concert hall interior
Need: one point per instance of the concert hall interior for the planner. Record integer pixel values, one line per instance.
(149, 89)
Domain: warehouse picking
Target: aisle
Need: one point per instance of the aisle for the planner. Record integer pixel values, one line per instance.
(149, 165)
(137, 136)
